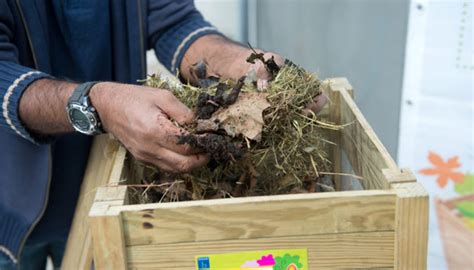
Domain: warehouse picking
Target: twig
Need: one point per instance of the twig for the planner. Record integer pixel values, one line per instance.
(148, 185)
(326, 187)
(166, 191)
(342, 174)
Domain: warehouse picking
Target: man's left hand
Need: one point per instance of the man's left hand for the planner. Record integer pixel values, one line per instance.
(228, 60)
(264, 76)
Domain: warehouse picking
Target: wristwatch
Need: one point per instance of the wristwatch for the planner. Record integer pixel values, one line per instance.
(82, 115)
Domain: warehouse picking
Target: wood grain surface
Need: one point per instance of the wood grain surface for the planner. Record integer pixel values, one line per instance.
(364, 150)
(325, 251)
(103, 155)
(268, 216)
(411, 232)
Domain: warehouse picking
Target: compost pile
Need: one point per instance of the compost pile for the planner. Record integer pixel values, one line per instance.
(261, 142)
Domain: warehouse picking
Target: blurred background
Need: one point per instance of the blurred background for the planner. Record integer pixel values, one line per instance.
(411, 65)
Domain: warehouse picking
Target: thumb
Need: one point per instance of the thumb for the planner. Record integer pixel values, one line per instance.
(317, 105)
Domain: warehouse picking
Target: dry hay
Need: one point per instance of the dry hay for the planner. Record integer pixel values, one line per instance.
(290, 154)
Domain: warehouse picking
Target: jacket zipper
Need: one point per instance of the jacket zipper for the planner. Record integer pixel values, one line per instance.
(18, 5)
(45, 202)
(142, 46)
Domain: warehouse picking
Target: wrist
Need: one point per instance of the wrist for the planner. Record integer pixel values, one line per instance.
(98, 98)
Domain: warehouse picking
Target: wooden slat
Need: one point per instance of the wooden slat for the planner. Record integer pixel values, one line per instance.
(257, 217)
(411, 233)
(103, 155)
(394, 176)
(111, 193)
(326, 251)
(335, 117)
(364, 150)
(116, 173)
(108, 241)
(107, 228)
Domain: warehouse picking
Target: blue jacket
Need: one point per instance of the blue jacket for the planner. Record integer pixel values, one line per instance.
(169, 27)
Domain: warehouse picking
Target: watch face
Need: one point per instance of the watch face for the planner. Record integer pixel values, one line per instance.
(79, 119)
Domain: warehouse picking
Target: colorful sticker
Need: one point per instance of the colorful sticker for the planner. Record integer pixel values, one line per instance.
(286, 259)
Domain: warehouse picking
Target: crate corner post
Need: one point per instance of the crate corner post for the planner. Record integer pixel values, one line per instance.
(105, 160)
(332, 88)
(411, 239)
(106, 224)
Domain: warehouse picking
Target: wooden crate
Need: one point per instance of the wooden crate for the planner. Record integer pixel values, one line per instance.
(383, 226)
(457, 237)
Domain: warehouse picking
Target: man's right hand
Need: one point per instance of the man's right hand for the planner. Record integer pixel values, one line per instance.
(142, 119)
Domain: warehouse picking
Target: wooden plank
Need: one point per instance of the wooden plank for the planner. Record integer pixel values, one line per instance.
(107, 228)
(116, 174)
(394, 176)
(456, 236)
(108, 242)
(257, 217)
(112, 193)
(411, 233)
(334, 117)
(364, 150)
(339, 84)
(78, 253)
(326, 251)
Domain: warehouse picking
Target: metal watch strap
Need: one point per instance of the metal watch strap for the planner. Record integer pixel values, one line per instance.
(81, 91)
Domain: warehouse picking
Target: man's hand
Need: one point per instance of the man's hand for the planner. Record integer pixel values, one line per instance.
(142, 119)
(263, 76)
(229, 60)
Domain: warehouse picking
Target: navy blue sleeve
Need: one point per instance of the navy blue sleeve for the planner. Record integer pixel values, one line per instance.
(172, 27)
(8, 51)
(14, 78)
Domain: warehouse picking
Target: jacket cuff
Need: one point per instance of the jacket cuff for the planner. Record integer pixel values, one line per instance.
(173, 44)
(14, 80)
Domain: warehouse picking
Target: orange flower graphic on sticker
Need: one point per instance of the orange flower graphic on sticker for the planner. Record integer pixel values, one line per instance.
(445, 170)
(292, 267)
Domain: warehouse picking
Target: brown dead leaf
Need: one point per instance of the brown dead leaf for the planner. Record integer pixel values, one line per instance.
(244, 117)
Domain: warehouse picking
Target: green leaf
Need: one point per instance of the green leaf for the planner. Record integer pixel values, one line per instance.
(467, 186)
(466, 208)
(281, 263)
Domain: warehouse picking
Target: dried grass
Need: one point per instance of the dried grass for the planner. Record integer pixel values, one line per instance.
(289, 158)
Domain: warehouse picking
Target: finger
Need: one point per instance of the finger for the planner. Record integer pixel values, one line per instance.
(280, 61)
(262, 84)
(261, 70)
(158, 163)
(174, 108)
(318, 103)
(168, 135)
(180, 163)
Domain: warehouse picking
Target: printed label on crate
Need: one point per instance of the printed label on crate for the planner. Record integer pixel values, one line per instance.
(284, 259)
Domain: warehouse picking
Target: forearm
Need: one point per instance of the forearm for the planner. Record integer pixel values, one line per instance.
(43, 107)
(223, 56)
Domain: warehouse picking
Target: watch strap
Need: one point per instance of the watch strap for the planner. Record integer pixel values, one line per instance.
(81, 91)
(80, 96)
